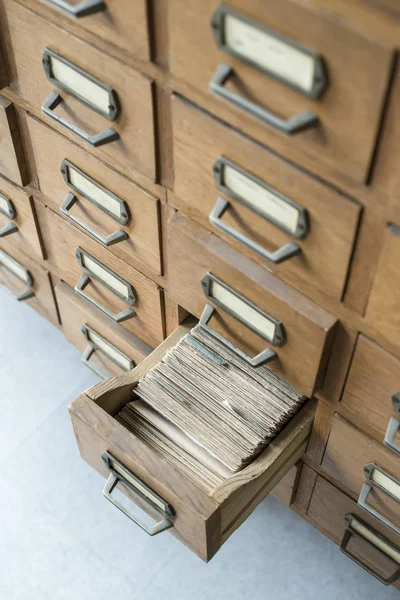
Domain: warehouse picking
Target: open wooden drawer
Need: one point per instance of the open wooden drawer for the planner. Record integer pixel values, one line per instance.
(202, 522)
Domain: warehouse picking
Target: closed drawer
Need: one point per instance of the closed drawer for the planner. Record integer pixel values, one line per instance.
(373, 546)
(368, 470)
(201, 521)
(113, 210)
(18, 223)
(256, 311)
(372, 391)
(293, 77)
(107, 348)
(28, 282)
(383, 310)
(269, 210)
(3, 71)
(103, 280)
(12, 160)
(91, 97)
(120, 23)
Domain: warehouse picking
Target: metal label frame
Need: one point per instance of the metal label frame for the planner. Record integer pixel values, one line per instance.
(303, 221)
(29, 279)
(131, 299)
(349, 533)
(279, 332)
(86, 331)
(369, 470)
(11, 212)
(113, 106)
(125, 213)
(320, 81)
(146, 495)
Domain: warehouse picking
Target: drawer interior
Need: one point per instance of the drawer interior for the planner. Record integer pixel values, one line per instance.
(203, 521)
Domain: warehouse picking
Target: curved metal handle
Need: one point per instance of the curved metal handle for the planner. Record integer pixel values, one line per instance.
(8, 230)
(110, 240)
(377, 478)
(393, 426)
(124, 315)
(118, 472)
(100, 139)
(276, 257)
(85, 358)
(300, 122)
(20, 272)
(262, 358)
(356, 528)
(83, 9)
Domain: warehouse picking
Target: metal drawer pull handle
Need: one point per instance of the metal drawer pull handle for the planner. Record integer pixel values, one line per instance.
(7, 207)
(244, 311)
(276, 257)
(377, 478)
(8, 230)
(300, 122)
(118, 472)
(97, 343)
(20, 272)
(83, 9)
(356, 528)
(124, 315)
(86, 356)
(100, 139)
(110, 240)
(262, 358)
(393, 426)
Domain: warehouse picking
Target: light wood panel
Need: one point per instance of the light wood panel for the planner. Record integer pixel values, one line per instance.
(75, 313)
(383, 310)
(194, 251)
(332, 218)
(62, 240)
(327, 510)
(349, 111)
(30, 35)
(43, 300)
(373, 379)
(123, 23)
(27, 237)
(12, 159)
(142, 248)
(347, 452)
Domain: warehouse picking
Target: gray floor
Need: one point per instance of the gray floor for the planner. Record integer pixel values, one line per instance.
(60, 539)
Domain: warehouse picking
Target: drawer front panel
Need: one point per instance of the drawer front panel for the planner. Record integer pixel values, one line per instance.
(327, 511)
(272, 221)
(110, 284)
(119, 22)
(96, 78)
(300, 330)
(52, 152)
(18, 224)
(348, 452)
(372, 382)
(28, 282)
(12, 159)
(341, 137)
(117, 347)
(202, 522)
(383, 310)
